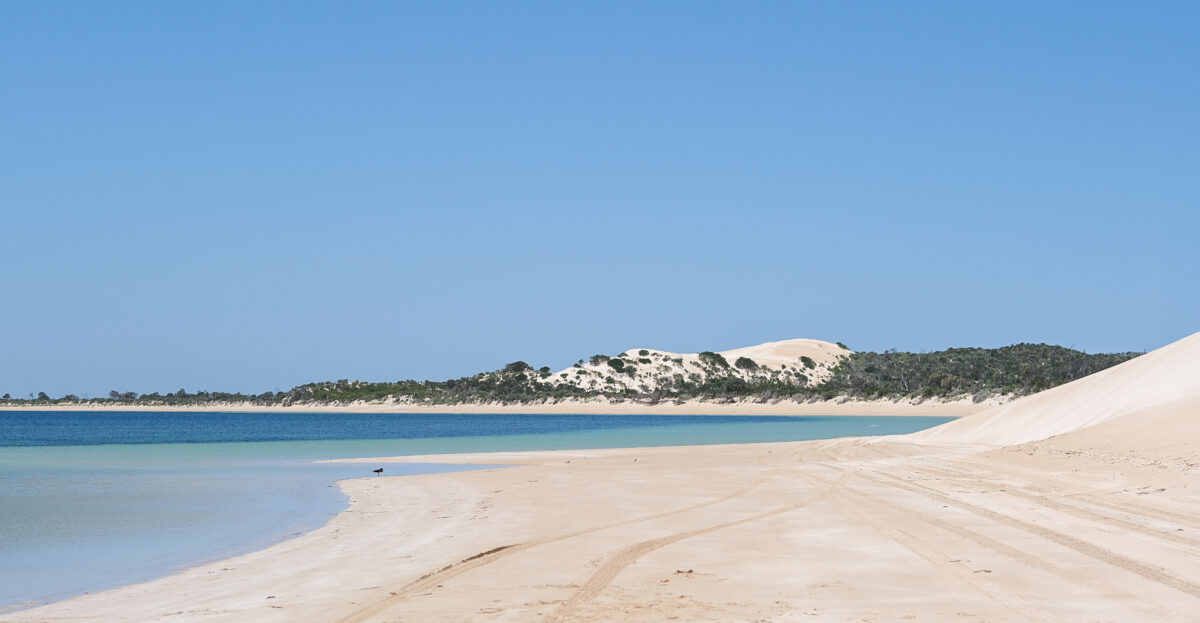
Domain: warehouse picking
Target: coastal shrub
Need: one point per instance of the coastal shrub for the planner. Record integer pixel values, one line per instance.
(544, 369)
(643, 352)
(977, 373)
(844, 347)
(808, 362)
(598, 359)
(1018, 369)
(745, 363)
(644, 361)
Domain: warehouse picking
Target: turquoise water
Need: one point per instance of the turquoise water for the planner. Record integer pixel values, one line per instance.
(90, 501)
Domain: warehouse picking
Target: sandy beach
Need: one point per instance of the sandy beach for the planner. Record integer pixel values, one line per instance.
(1079, 503)
(615, 312)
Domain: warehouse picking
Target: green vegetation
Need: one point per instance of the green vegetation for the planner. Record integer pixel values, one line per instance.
(808, 362)
(956, 372)
(643, 352)
(1019, 369)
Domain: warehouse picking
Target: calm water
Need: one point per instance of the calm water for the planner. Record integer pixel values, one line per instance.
(94, 500)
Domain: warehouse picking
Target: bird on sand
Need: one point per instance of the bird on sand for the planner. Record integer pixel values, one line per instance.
(378, 472)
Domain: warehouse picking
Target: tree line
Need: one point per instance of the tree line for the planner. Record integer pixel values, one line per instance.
(977, 373)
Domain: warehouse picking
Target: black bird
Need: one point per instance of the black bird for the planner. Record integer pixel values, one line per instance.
(378, 472)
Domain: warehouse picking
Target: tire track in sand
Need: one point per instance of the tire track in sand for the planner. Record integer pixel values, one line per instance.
(602, 577)
(1141, 509)
(1157, 575)
(1045, 500)
(432, 579)
(866, 509)
(1150, 611)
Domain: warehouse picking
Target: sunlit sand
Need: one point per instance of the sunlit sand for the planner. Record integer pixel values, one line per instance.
(1079, 503)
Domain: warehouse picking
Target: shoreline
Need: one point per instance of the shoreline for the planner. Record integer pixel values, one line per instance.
(721, 531)
(449, 460)
(1078, 503)
(905, 407)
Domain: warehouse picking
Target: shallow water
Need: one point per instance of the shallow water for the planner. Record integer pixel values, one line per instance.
(95, 500)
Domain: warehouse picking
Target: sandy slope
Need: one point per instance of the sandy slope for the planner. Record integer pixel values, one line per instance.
(1101, 523)
(782, 360)
(789, 352)
(1169, 375)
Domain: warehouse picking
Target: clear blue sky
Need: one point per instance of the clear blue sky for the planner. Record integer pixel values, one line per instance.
(247, 196)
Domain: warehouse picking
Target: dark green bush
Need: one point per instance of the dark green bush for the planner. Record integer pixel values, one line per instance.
(957, 372)
(1019, 369)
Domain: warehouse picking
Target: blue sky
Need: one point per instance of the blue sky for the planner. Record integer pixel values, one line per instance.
(247, 196)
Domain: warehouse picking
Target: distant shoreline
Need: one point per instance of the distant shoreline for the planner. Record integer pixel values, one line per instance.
(932, 407)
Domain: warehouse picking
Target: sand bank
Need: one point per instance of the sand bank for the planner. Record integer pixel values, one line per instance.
(841, 530)
(1088, 517)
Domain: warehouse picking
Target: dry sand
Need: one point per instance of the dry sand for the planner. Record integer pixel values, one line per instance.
(645, 369)
(1092, 516)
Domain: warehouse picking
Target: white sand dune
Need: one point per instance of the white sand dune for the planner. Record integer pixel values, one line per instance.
(789, 353)
(783, 360)
(1139, 387)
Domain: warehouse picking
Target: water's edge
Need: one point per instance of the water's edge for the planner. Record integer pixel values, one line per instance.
(85, 484)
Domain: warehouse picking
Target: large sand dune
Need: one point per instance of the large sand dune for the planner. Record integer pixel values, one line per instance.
(800, 361)
(1094, 515)
(1144, 385)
